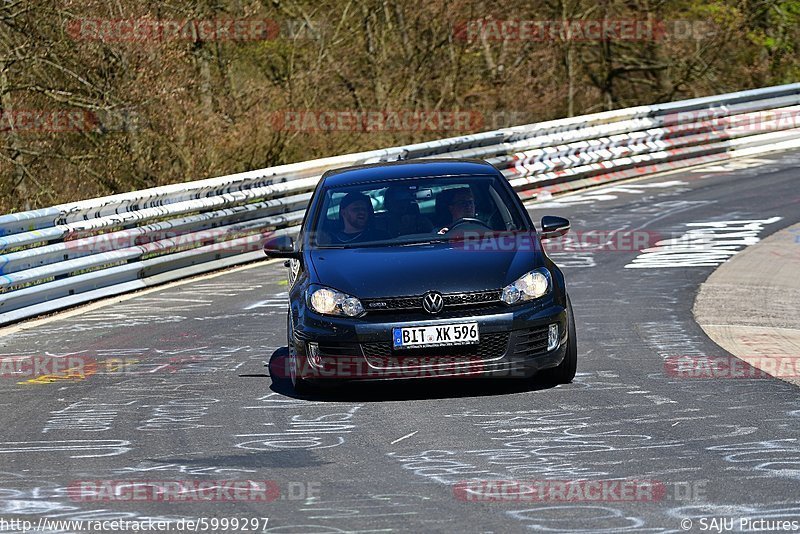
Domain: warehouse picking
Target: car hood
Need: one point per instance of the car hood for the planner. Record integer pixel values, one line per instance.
(413, 270)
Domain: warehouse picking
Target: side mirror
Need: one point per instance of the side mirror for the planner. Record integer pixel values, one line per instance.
(281, 247)
(553, 227)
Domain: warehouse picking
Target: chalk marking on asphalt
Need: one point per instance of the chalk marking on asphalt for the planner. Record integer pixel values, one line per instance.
(404, 437)
(531, 204)
(702, 244)
(173, 299)
(735, 165)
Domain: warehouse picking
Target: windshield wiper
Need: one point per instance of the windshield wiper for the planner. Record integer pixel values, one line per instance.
(428, 242)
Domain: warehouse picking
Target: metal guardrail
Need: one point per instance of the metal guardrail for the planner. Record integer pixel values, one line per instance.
(64, 255)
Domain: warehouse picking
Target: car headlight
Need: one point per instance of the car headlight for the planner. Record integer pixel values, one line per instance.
(529, 286)
(327, 301)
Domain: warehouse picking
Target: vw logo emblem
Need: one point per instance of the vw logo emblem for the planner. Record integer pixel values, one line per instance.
(433, 302)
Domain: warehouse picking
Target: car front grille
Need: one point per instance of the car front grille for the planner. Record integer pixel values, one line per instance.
(492, 346)
(451, 300)
(465, 299)
(393, 304)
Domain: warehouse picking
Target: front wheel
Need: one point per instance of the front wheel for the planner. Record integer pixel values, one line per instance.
(565, 372)
(299, 384)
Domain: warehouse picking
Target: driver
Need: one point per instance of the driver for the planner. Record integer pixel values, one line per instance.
(460, 206)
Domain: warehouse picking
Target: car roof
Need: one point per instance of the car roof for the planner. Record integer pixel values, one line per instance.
(396, 170)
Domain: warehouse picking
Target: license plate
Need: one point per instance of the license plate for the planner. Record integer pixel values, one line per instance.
(435, 336)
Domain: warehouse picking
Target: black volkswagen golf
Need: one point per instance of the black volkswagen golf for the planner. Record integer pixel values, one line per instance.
(423, 269)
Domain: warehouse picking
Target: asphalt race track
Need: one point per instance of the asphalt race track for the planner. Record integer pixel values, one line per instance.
(181, 391)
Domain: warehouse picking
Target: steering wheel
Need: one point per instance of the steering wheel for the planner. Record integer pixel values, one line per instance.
(468, 220)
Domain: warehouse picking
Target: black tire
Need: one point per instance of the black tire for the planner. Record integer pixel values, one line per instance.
(565, 372)
(300, 386)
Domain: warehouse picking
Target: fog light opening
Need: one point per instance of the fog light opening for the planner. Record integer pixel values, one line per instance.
(552, 337)
(313, 354)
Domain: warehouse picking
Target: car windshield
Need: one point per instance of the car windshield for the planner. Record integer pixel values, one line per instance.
(412, 211)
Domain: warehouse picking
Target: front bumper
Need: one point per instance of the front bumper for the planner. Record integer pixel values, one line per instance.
(513, 343)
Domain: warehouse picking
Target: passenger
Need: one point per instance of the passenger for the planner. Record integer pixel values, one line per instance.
(355, 216)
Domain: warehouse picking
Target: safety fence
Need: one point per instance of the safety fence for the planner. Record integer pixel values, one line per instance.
(61, 256)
